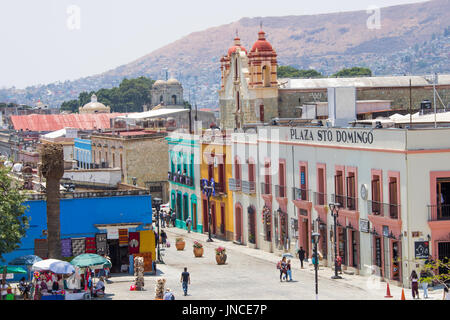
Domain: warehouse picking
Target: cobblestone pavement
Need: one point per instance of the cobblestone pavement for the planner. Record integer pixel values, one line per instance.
(249, 274)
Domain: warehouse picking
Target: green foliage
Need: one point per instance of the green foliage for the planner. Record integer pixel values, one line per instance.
(14, 222)
(432, 270)
(353, 72)
(129, 96)
(291, 72)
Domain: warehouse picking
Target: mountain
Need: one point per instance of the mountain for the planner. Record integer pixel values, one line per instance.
(411, 39)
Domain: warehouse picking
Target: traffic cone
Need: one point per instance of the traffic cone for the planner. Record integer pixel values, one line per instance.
(403, 294)
(388, 292)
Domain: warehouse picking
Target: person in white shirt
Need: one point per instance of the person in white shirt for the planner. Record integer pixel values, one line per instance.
(4, 288)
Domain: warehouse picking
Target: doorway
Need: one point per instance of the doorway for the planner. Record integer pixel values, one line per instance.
(205, 216)
(194, 216)
(343, 244)
(238, 221)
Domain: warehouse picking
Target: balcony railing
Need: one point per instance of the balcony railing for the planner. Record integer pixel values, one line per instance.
(234, 184)
(220, 188)
(249, 187)
(349, 203)
(439, 212)
(266, 188)
(320, 199)
(280, 191)
(387, 210)
(179, 178)
(301, 194)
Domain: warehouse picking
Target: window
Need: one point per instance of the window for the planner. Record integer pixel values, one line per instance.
(376, 194)
(261, 113)
(339, 188)
(321, 198)
(351, 191)
(282, 180)
(251, 171)
(174, 99)
(393, 198)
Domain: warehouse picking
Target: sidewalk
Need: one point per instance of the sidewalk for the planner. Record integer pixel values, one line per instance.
(358, 282)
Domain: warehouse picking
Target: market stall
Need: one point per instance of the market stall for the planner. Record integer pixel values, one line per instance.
(89, 262)
(49, 277)
(8, 272)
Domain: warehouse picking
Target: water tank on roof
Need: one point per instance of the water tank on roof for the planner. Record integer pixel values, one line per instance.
(425, 105)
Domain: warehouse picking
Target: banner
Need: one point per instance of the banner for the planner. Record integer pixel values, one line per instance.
(78, 246)
(123, 237)
(90, 245)
(113, 233)
(102, 244)
(133, 242)
(147, 241)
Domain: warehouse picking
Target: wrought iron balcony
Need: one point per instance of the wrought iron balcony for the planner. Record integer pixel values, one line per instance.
(179, 178)
(349, 203)
(320, 199)
(234, 184)
(386, 210)
(266, 188)
(249, 187)
(280, 191)
(439, 212)
(301, 194)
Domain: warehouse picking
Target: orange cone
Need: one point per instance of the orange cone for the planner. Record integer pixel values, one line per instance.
(403, 294)
(388, 292)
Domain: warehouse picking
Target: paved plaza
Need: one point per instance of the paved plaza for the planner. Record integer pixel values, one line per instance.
(248, 274)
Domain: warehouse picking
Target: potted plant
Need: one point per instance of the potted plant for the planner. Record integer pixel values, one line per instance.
(198, 249)
(221, 256)
(180, 243)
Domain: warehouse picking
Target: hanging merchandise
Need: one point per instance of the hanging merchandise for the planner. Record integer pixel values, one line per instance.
(139, 273)
(123, 237)
(66, 248)
(159, 289)
(133, 242)
(101, 242)
(90, 245)
(78, 246)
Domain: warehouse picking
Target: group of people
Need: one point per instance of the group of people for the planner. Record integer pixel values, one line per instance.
(285, 269)
(167, 218)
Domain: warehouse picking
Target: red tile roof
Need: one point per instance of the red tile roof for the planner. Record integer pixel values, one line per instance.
(53, 122)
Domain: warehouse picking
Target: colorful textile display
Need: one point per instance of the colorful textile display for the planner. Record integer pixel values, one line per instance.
(90, 245)
(102, 244)
(66, 247)
(147, 241)
(123, 237)
(78, 246)
(133, 242)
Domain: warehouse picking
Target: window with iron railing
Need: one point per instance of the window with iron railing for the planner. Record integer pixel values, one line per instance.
(266, 188)
(280, 191)
(320, 199)
(301, 194)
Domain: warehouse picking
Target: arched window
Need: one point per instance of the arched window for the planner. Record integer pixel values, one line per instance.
(266, 76)
(174, 99)
(236, 69)
(161, 98)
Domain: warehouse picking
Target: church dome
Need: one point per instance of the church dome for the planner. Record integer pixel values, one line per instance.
(262, 44)
(159, 83)
(94, 106)
(173, 81)
(237, 44)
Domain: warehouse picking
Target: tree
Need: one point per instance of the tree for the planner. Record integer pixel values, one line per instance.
(14, 222)
(52, 168)
(353, 72)
(291, 72)
(438, 271)
(71, 106)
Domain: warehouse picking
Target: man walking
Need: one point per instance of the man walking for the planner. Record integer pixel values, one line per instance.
(301, 255)
(185, 280)
(174, 218)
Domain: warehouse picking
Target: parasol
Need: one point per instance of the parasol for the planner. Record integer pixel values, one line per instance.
(12, 269)
(53, 265)
(89, 260)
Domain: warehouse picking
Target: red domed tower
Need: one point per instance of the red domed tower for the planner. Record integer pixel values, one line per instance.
(225, 61)
(262, 63)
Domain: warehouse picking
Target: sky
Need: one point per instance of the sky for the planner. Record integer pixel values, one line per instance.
(56, 40)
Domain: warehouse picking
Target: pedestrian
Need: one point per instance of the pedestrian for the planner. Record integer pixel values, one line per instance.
(163, 238)
(282, 266)
(156, 238)
(188, 224)
(288, 269)
(339, 264)
(4, 290)
(163, 218)
(168, 295)
(301, 256)
(414, 284)
(174, 218)
(424, 282)
(446, 295)
(185, 280)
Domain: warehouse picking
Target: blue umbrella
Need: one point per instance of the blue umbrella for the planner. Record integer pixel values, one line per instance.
(28, 260)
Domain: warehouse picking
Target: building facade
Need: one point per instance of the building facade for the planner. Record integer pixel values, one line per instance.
(83, 153)
(184, 179)
(387, 215)
(142, 156)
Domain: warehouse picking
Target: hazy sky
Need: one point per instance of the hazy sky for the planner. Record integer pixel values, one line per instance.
(44, 41)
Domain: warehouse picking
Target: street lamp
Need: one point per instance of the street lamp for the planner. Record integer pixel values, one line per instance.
(208, 189)
(315, 238)
(334, 208)
(157, 203)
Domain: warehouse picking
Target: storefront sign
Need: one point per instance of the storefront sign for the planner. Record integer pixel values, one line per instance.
(364, 225)
(326, 135)
(421, 249)
(112, 233)
(9, 276)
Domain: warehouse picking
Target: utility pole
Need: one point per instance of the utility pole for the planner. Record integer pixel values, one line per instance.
(434, 98)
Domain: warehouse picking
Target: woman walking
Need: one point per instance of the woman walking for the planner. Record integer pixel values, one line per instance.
(414, 284)
(288, 270)
(424, 282)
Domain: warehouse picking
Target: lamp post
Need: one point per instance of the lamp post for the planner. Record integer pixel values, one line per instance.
(208, 189)
(315, 238)
(157, 203)
(334, 208)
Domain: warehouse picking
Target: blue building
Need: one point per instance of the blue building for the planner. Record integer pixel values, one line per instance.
(88, 214)
(82, 150)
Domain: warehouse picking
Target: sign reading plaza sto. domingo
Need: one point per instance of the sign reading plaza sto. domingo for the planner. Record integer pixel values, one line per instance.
(365, 137)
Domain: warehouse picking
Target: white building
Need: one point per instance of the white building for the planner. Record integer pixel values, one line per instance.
(393, 186)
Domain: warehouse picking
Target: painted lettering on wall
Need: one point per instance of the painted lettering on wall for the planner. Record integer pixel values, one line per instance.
(341, 136)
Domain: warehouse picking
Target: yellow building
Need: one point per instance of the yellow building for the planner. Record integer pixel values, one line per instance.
(216, 163)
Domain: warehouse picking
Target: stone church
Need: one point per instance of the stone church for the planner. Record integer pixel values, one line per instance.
(167, 94)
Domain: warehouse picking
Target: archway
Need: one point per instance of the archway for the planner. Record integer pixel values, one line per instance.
(238, 222)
